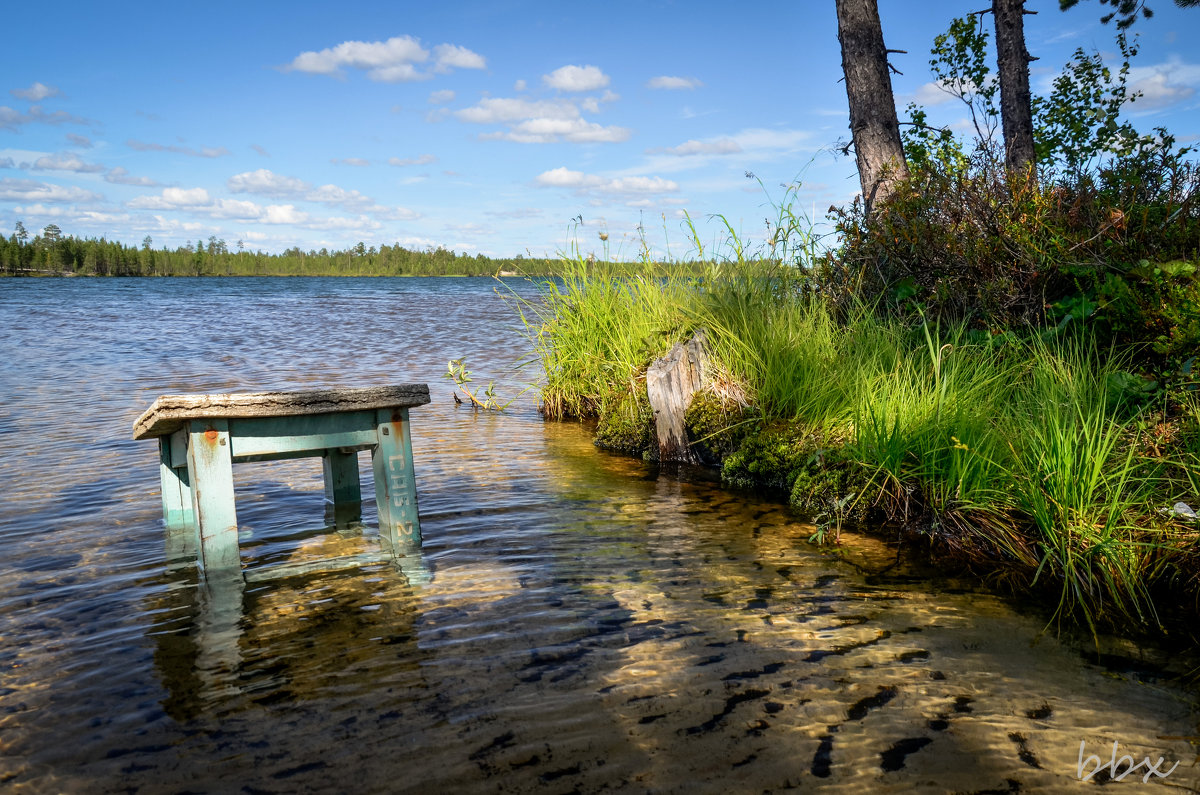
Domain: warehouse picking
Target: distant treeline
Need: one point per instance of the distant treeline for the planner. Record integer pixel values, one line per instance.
(54, 254)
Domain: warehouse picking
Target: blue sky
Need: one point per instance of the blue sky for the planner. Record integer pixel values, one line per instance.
(484, 127)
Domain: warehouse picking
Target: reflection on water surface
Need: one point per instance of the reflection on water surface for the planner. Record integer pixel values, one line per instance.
(575, 622)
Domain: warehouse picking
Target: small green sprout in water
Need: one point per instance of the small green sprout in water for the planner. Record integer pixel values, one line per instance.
(456, 370)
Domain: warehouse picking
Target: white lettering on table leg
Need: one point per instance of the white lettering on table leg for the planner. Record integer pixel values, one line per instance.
(396, 465)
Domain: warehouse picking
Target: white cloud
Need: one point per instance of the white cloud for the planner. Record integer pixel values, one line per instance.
(391, 61)
(260, 150)
(641, 185)
(36, 92)
(393, 213)
(198, 200)
(563, 177)
(400, 73)
(453, 56)
(441, 97)
(207, 151)
(423, 160)
(65, 161)
(519, 85)
(266, 183)
(673, 83)
(11, 119)
(412, 242)
(82, 141)
(491, 110)
(592, 104)
(576, 78)
(74, 215)
(929, 95)
(7, 162)
(541, 131)
(754, 144)
(539, 121)
(1157, 91)
(282, 214)
(1163, 84)
(29, 190)
(350, 161)
(370, 55)
(119, 176)
(719, 146)
(173, 199)
(332, 194)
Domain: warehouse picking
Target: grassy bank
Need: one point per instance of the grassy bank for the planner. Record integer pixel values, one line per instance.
(1034, 458)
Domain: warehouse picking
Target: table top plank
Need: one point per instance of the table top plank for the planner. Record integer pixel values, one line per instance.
(170, 412)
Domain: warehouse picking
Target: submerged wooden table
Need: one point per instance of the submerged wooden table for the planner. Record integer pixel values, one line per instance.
(200, 437)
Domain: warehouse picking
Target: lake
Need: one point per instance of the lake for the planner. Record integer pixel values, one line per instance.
(577, 621)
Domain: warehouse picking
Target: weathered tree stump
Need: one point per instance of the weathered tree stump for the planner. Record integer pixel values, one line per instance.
(670, 383)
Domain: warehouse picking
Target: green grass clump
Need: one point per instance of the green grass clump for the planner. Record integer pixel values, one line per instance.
(597, 327)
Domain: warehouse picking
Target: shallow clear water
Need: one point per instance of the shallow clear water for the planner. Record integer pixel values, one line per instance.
(575, 622)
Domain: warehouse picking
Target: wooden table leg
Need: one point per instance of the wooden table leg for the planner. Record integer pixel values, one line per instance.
(343, 492)
(395, 483)
(210, 467)
(176, 488)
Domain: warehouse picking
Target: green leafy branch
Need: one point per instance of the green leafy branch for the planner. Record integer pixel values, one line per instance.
(456, 370)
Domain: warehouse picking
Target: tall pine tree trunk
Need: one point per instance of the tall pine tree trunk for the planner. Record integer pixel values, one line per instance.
(873, 123)
(1015, 105)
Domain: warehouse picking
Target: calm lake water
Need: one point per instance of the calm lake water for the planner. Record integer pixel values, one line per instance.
(576, 622)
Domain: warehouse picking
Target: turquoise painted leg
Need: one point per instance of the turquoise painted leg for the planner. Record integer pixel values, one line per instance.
(176, 489)
(210, 466)
(395, 483)
(343, 493)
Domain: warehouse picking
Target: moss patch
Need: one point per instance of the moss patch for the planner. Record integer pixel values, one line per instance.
(716, 428)
(820, 476)
(769, 459)
(833, 487)
(625, 427)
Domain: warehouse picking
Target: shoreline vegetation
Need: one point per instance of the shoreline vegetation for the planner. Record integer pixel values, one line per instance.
(1044, 463)
(53, 254)
(996, 370)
